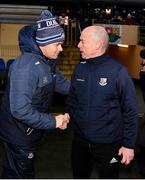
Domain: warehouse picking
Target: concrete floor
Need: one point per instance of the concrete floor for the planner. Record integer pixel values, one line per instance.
(53, 156)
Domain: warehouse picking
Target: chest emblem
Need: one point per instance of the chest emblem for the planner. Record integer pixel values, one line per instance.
(31, 155)
(45, 80)
(103, 81)
(36, 63)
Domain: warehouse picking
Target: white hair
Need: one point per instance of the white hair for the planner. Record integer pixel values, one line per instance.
(99, 33)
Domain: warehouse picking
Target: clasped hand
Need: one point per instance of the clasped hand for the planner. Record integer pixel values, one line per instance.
(62, 120)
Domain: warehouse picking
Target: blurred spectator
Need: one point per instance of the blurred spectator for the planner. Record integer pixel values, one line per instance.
(101, 13)
(129, 20)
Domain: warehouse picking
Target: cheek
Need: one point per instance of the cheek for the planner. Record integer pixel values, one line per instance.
(87, 49)
(49, 52)
(52, 51)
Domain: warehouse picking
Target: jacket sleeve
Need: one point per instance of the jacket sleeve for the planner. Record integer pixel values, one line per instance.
(62, 84)
(71, 101)
(23, 83)
(128, 101)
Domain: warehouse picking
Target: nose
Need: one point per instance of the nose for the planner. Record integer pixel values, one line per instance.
(60, 48)
(79, 44)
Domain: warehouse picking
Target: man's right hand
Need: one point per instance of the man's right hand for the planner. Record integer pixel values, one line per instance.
(62, 120)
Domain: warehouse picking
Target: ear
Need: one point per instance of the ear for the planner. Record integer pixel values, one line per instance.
(42, 48)
(98, 45)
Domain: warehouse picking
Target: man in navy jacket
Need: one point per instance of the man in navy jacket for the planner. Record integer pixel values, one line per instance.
(33, 78)
(102, 104)
(141, 143)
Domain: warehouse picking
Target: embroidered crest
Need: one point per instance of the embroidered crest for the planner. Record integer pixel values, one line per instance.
(103, 81)
(45, 80)
(30, 155)
(36, 63)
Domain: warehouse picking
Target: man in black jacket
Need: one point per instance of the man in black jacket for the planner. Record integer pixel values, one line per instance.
(102, 104)
(25, 111)
(141, 143)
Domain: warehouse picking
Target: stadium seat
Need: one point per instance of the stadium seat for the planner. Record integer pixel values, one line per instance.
(9, 62)
(2, 64)
(3, 76)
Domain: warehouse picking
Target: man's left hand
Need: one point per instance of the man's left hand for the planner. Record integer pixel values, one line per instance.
(127, 155)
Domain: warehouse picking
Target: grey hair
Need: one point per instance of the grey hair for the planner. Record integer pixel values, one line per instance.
(99, 33)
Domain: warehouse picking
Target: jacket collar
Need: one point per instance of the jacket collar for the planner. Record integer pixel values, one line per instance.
(98, 60)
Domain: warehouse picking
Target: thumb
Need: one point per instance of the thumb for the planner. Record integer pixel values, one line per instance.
(66, 116)
(119, 152)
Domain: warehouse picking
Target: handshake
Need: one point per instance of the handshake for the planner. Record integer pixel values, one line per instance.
(62, 120)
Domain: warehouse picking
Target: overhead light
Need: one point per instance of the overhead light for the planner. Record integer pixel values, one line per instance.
(123, 45)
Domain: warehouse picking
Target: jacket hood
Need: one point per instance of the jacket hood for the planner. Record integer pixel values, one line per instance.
(27, 41)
